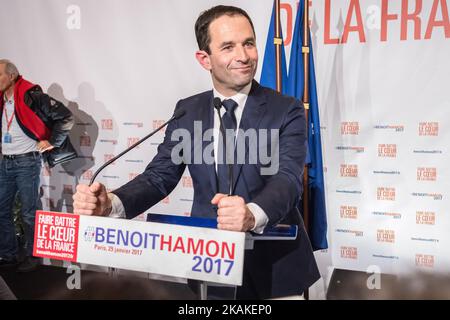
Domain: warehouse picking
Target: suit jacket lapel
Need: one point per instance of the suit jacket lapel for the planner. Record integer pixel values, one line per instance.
(254, 110)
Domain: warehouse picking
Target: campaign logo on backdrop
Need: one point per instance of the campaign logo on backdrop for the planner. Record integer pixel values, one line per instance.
(388, 172)
(356, 233)
(108, 157)
(429, 151)
(394, 215)
(132, 175)
(349, 212)
(426, 174)
(386, 235)
(158, 123)
(187, 182)
(134, 160)
(112, 141)
(421, 239)
(131, 141)
(166, 200)
(136, 124)
(349, 170)
(349, 128)
(351, 148)
(394, 127)
(434, 195)
(85, 141)
(425, 260)
(387, 150)
(384, 193)
(110, 176)
(383, 256)
(426, 217)
(349, 252)
(107, 124)
(348, 191)
(429, 129)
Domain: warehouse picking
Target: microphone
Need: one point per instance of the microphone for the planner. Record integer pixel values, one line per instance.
(177, 114)
(218, 104)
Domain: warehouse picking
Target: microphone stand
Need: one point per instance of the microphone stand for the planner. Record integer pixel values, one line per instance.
(177, 115)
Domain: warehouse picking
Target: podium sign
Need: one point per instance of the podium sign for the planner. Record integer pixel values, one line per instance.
(173, 250)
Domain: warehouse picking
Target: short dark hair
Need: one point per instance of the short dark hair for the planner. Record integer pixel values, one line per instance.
(208, 16)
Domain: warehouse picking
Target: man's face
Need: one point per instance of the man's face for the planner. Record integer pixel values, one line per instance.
(234, 58)
(6, 80)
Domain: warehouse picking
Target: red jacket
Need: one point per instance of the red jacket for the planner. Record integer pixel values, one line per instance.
(39, 116)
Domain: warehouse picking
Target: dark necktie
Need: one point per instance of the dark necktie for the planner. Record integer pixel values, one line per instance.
(226, 155)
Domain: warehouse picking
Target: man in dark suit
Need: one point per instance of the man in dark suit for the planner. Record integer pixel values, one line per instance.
(263, 193)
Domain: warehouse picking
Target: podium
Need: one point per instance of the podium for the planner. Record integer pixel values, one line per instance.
(175, 246)
(277, 233)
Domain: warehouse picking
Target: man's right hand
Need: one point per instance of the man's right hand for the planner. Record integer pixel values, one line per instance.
(91, 200)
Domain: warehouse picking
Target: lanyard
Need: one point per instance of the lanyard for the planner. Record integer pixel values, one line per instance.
(8, 122)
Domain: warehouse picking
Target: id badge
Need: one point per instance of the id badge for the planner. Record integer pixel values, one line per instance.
(7, 138)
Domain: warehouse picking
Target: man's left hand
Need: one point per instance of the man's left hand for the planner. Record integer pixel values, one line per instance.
(233, 214)
(44, 146)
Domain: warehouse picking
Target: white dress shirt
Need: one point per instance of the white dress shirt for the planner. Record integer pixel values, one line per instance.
(21, 143)
(261, 218)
